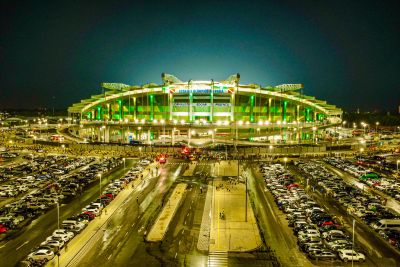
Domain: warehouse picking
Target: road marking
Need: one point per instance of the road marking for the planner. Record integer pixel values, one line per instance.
(4, 244)
(26, 242)
(180, 242)
(126, 233)
(133, 224)
(108, 258)
(185, 222)
(119, 244)
(176, 254)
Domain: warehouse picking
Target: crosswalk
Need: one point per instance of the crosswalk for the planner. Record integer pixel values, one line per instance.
(218, 259)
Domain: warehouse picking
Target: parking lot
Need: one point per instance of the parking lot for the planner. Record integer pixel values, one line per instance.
(56, 196)
(324, 232)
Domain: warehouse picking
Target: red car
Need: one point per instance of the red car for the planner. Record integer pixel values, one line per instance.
(108, 195)
(3, 229)
(88, 214)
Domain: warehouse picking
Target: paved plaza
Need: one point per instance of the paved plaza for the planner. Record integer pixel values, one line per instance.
(230, 229)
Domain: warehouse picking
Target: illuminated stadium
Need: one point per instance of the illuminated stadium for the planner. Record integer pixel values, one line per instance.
(215, 111)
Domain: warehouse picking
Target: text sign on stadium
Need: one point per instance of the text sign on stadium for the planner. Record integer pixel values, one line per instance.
(201, 90)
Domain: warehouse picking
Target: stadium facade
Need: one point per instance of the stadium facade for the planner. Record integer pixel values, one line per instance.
(202, 109)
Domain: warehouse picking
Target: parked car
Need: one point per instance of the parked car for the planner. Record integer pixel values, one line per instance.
(348, 255)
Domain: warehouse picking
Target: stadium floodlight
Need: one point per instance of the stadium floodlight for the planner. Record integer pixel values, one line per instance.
(266, 123)
(260, 122)
(182, 122)
(175, 121)
(240, 122)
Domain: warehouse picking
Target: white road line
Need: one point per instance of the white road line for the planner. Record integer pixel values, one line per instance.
(176, 254)
(4, 244)
(119, 244)
(108, 258)
(26, 242)
(126, 233)
(133, 224)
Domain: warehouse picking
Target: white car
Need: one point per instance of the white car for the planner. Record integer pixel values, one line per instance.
(41, 254)
(55, 243)
(309, 232)
(63, 233)
(61, 238)
(349, 254)
(93, 210)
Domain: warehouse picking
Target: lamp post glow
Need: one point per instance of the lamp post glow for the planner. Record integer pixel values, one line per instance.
(285, 160)
(124, 163)
(99, 185)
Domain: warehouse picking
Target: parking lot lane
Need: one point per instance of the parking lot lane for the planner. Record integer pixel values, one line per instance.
(278, 235)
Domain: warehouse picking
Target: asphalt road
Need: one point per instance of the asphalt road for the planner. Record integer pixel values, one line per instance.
(38, 230)
(123, 243)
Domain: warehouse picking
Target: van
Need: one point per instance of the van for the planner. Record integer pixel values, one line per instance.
(386, 224)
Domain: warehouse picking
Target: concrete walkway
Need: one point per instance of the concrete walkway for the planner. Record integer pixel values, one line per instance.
(189, 171)
(163, 220)
(71, 254)
(232, 232)
(203, 242)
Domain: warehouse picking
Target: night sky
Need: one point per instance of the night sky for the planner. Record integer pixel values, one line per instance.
(345, 52)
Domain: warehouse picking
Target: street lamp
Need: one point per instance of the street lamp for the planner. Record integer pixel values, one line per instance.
(376, 126)
(58, 214)
(285, 160)
(99, 185)
(63, 147)
(124, 163)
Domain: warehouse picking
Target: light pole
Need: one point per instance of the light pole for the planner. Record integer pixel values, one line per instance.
(99, 185)
(397, 165)
(63, 147)
(124, 163)
(376, 126)
(352, 245)
(285, 160)
(58, 215)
